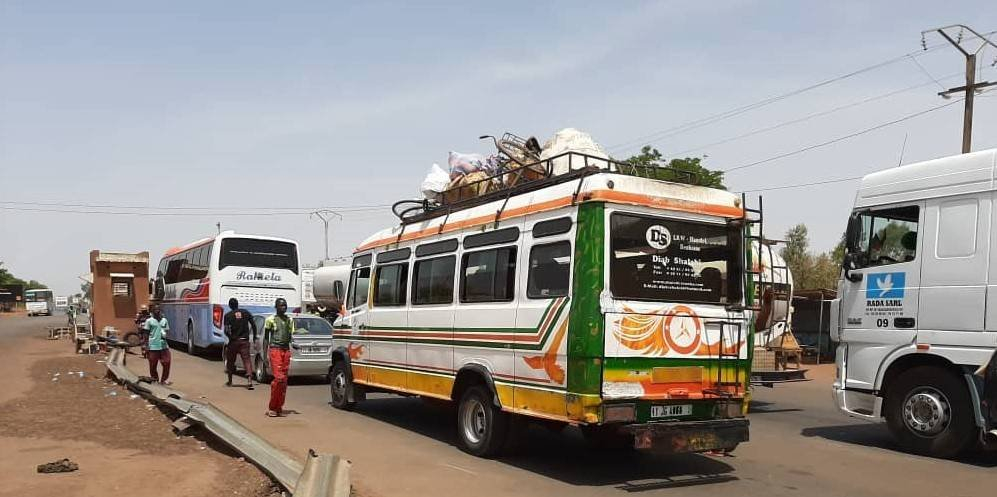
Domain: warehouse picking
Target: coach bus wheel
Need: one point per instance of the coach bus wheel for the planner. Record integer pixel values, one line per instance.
(191, 348)
(928, 411)
(481, 426)
(260, 371)
(340, 387)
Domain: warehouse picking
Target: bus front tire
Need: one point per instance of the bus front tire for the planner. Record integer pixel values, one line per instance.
(482, 427)
(341, 387)
(929, 412)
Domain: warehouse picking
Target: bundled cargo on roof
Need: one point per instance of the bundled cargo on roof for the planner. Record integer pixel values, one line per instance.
(517, 161)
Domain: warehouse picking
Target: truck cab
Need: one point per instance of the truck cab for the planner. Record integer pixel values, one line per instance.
(916, 315)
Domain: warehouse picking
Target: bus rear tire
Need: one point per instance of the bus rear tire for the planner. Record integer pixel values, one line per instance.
(341, 387)
(929, 412)
(482, 428)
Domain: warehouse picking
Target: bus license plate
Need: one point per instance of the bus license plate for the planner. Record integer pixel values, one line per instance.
(671, 411)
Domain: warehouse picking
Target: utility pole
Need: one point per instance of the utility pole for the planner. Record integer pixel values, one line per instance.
(971, 86)
(326, 215)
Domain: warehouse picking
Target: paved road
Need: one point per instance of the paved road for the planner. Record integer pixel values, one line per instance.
(800, 445)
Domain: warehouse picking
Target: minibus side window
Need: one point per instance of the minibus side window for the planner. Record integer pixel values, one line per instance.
(889, 236)
(390, 284)
(432, 281)
(488, 275)
(550, 270)
(359, 283)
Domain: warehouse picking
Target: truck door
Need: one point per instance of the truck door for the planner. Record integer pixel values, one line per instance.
(879, 301)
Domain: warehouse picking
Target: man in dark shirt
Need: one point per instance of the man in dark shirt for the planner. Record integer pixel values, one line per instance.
(238, 326)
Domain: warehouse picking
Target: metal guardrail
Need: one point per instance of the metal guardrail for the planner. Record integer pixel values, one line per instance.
(322, 475)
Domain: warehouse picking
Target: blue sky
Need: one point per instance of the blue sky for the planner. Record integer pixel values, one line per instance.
(258, 104)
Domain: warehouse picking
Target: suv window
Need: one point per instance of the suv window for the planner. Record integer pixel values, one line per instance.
(889, 236)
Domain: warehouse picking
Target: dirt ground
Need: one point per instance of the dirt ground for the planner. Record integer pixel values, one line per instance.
(122, 443)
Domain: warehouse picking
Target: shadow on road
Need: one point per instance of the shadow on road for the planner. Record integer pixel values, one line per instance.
(877, 436)
(562, 455)
(759, 407)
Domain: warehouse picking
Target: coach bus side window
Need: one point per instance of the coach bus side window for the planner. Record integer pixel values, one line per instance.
(550, 273)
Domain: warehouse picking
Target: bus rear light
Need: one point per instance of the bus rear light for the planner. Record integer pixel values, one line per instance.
(216, 315)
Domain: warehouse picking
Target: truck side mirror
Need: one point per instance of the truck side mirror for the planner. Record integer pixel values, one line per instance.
(853, 233)
(848, 264)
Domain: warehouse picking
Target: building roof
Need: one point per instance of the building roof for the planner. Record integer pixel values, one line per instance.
(142, 257)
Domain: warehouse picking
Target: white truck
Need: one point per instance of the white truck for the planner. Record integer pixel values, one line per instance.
(916, 315)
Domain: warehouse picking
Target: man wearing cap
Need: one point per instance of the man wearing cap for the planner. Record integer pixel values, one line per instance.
(279, 328)
(239, 327)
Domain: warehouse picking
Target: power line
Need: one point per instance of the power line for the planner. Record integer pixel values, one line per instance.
(304, 210)
(841, 138)
(802, 185)
(807, 117)
(926, 73)
(698, 123)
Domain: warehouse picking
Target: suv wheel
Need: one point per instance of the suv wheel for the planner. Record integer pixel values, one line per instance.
(260, 371)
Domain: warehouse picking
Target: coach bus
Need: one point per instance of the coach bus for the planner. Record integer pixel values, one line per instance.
(194, 283)
(39, 301)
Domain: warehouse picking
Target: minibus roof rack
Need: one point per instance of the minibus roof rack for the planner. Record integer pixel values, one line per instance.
(508, 181)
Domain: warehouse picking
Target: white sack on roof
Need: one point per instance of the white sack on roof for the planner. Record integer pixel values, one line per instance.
(436, 182)
(572, 140)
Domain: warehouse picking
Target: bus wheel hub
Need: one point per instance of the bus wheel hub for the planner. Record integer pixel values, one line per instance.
(926, 412)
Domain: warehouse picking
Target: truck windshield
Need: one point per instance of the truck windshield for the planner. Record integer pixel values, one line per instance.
(253, 252)
(672, 261)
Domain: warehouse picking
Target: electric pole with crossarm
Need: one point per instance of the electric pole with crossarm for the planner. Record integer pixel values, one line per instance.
(971, 86)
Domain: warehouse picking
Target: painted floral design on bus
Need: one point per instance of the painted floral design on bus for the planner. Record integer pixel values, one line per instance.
(677, 330)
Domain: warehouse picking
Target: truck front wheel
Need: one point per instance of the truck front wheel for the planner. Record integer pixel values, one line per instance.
(929, 412)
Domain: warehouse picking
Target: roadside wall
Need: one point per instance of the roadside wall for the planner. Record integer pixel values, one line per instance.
(120, 287)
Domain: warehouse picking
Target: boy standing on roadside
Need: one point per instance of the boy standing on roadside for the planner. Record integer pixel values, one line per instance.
(159, 351)
(279, 328)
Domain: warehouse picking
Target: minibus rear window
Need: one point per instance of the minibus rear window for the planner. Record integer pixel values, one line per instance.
(670, 260)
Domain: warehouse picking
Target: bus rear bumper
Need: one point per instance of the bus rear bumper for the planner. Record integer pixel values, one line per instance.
(690, 436)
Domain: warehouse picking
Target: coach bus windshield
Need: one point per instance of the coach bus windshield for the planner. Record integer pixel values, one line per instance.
(254, 252)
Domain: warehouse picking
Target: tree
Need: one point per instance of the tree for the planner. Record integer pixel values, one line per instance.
(810, 270)
(7, 278)
(687, 170)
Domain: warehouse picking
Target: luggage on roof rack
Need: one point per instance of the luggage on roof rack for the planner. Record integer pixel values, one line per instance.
(516, 178)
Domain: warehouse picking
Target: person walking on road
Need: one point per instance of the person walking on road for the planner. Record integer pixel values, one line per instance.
(238, 324)
(279, 328)
(159, 351)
